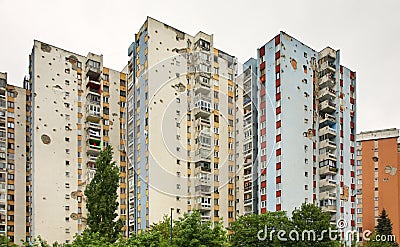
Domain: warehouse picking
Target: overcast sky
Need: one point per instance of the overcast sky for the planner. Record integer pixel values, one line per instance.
(366, 32)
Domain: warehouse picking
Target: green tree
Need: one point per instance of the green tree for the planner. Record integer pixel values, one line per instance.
(187, 231)
(384, 226)
(191, 232)
(384, 230)
(255, 230)
(101, 194)
(311, 218)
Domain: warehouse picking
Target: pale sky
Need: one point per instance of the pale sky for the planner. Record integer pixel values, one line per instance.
(366, 32)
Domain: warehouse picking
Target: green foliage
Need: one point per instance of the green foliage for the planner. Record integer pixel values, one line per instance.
(308, 217)
(311, 217)
(384, 226)
(382, 229)
(101, 194)
(189, 231)
(246, 229)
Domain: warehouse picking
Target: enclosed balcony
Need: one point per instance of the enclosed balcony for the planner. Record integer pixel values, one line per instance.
(202, 106)
(203, 153)
(203, 203)
(328, 170)
(202, 83)
(203, 189)
(93, 70)
(326, 93)
(203, 140)
(327, 183)
(93, 99)
(327, 106)
(93, 113)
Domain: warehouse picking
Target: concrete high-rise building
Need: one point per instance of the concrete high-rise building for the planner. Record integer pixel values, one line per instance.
(247, 139)
(181, 124)
(13, 152)
(78, 107)
(306, 129)
(378, 179)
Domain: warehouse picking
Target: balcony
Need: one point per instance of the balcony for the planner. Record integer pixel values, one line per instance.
(246, 102)
(93, 113)
(203, 154)
(94, 146)
(203, 166)
(327, 80)
(202, 83)
(327, 106)
(327, 132)
(327, 156)
(92, 83)
(329, 208)
(248, 177)
(326, 93)
(248, 201)
(327, 170)
(93, 99)
(327, 119)
(202, 106)
(204, 188)
(327, 65)
(327, 183)
(327, 144)
(92, 125)
(202, 206)
(327, 195)
(94, 134)
(93, 70)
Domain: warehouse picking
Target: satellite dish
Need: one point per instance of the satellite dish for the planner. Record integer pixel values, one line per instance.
(74, 194)
(390, 170)
(74, 216)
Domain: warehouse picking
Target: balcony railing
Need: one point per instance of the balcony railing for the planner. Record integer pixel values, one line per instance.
(327, 183)
(327, 119)
(326, 93)
(328, 170)
(328, 65)
(329, 208)
(327, 195)
(327, 144)
(327, 106)
(327, 156)
(327, 131)
(327, 80)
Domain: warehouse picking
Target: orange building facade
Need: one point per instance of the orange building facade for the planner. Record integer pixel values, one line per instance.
(377, 174)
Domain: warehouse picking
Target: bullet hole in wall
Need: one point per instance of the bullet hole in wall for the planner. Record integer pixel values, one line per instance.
(45, 139)
(293, 62)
